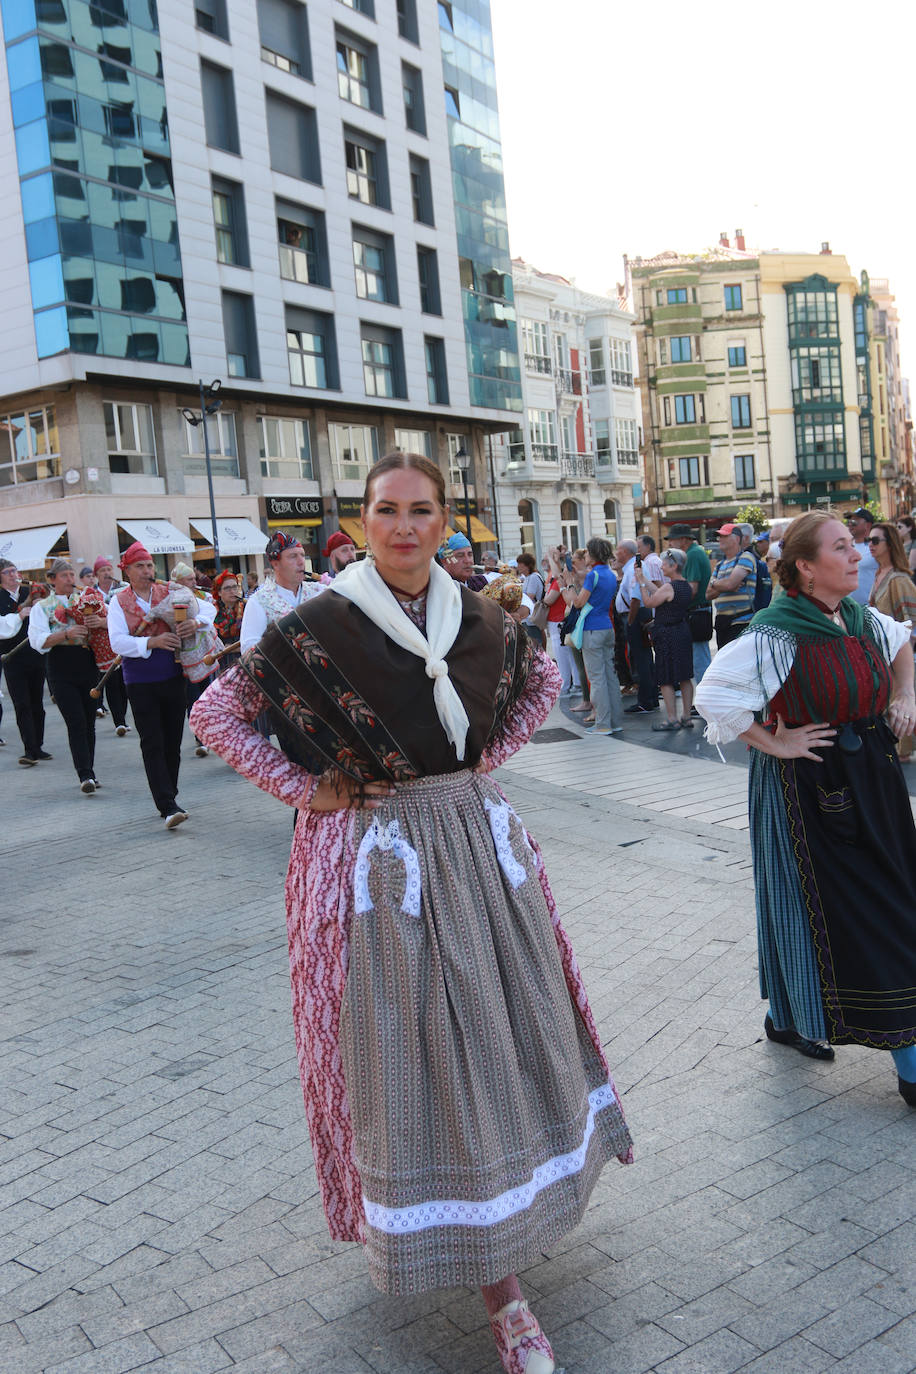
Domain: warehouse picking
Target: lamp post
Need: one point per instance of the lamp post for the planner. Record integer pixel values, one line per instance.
(463, 459)
(208, 407)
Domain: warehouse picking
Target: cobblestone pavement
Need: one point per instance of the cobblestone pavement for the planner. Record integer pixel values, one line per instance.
(160, 1206)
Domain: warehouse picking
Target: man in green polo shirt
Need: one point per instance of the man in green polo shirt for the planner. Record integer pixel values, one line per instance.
(696, 572)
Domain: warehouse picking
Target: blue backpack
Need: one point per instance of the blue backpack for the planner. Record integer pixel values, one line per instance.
(763, 592)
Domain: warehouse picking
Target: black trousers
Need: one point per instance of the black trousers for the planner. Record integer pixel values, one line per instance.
(116, 696)
(195, 690)
(642, 661)
(71, 675)
(25, 682)
(159, 709)
(727, 630)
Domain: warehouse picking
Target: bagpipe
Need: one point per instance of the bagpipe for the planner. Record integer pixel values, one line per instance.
(175, 608)
(90, 602)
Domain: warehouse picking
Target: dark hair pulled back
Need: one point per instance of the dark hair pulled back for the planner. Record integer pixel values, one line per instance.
(393, 461)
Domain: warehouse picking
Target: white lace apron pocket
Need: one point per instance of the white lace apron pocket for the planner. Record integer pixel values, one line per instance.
(499, 814)
(389, 839)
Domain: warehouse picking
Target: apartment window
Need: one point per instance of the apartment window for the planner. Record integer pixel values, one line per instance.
(535, 341)
(528, 526)
(681, 348)
(683, 408)
(374, 265)
(452, 102)
(689, 472)
(677, 295)
(816, 375)
(354, 450)
(224, 459)
(129, 438)
(737, 355)
(311, 347)
(734, 297)
(367, 169)
(542, 426)
(570, 517)
(414, 441)
(428, 276)
(383, 361)
(741, 412)
(596, 362)
(627, 437)
(621, 362)
(604, 456)
(286, 448)
(303, 244)
(744, 472)
(407, 20)
(241, 335)
(283, 27)
(414, 112)
(820, 441)
(229, 222)
(357, 72)
(812, 313)
(445, 16)
(421, 190)
(366, 7)
(220, 122)
(454, 442)
(436, 375)
(292, 135)
(209, 15)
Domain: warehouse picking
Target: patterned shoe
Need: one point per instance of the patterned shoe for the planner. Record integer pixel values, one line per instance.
(522, 1345)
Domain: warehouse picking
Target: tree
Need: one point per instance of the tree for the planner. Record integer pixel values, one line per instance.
(752, 515)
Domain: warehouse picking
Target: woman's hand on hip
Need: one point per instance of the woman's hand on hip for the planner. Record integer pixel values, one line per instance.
(901, 714)
(336, 792)
(799, 742)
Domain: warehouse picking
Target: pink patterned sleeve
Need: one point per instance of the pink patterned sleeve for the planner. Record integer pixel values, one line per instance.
(535, 702)
(222, 719)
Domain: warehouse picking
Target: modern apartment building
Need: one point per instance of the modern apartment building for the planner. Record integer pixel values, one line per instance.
(571, 469)
(761, 383)
(301, 201)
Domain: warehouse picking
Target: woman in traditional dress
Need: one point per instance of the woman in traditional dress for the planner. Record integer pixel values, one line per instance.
(227, 597)
(832, 833)
(459, 1103)
(671, 638)
(893, 592)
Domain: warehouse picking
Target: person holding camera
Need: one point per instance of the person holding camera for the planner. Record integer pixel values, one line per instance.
(629, 604)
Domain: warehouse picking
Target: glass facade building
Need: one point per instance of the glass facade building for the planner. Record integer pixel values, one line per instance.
(480, 204)
(92, 143)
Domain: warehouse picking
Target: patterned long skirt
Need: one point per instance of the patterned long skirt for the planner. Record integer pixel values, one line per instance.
(478, 1109)
(834, 852)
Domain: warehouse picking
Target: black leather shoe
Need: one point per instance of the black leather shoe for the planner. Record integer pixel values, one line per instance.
(639, 710)
(907, 1091)
(813, 1049)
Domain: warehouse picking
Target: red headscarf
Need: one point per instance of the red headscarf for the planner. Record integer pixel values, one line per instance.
(218, 582)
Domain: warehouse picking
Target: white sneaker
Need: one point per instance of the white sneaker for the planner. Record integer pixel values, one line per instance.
(121, 730)
(201, 751)
(88, 786)
(175, 819)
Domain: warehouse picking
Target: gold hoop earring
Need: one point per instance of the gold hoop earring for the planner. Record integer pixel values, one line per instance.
(810, 586)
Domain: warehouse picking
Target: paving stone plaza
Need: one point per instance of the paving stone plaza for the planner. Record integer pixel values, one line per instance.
(160, 1210)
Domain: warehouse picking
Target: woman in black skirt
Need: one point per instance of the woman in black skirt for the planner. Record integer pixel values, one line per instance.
(671, 638)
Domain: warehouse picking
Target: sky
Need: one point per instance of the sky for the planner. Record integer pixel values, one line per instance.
(635, 128)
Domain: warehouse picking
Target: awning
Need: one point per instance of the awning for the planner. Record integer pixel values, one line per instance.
(28, 549)
(354, 529)
(237, 535)
(479, 532)
(159, 536)
(297, 523)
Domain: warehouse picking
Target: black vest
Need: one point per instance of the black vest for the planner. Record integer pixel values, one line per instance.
(8, 605)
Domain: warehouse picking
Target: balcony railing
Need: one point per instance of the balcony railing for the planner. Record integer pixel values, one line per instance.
(544, 453)
(628, 457)
(536, 362)
(569, 382)
(621, 378)
(577, 465)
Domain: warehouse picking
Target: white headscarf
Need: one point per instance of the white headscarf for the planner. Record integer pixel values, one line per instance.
(360, 583)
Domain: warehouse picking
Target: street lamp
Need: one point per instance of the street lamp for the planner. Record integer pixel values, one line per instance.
(463, 460)
(208, 407)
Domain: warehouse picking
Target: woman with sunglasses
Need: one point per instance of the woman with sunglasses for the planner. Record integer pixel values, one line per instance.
(893, 592)
(906, 528)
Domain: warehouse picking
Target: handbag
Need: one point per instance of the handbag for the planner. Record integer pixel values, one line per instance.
(700, 622)
(568, 623)
(578, 629)
(539, 616)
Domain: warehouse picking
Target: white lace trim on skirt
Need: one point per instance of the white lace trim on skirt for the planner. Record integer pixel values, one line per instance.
(386, 838)
(456, 1212)
(498, 814)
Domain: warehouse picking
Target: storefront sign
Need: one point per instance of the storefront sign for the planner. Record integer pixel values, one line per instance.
(293, 508)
